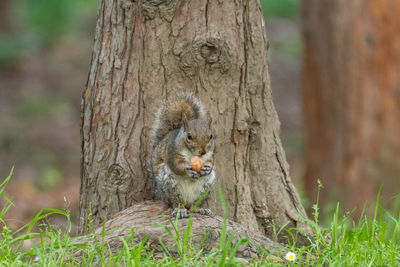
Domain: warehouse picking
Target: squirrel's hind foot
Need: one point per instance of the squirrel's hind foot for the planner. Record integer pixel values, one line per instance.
(203, 212)
(182, 213)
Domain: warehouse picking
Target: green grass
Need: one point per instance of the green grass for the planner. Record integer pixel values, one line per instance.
(369, 242)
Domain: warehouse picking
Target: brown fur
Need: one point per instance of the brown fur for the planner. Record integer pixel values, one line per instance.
(170, 115)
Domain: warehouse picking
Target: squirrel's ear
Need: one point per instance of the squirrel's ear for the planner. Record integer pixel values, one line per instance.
(184, 121)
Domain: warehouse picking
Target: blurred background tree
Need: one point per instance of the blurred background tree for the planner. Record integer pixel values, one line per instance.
(5, 21)
(351, 99)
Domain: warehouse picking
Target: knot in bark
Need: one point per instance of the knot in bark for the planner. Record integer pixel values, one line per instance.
(210, 53)
(203, 51)
(118, 178)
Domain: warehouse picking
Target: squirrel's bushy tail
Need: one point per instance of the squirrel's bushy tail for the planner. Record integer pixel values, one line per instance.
(169, 116)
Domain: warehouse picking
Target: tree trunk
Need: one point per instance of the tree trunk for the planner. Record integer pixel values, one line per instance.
(146, 52)
(351, 98)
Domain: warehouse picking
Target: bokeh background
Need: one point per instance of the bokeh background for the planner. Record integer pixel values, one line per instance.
(45, 51)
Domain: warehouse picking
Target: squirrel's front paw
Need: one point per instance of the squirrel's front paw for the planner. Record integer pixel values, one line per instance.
(191, 173)
(207, 168)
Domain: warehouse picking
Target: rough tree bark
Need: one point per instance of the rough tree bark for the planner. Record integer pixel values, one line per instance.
(147, 51)
(352, 98)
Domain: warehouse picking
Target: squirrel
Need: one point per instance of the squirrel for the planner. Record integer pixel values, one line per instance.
(180, 133)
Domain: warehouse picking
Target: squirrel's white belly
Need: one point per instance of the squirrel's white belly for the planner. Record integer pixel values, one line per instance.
(190, 190)
(182, 189)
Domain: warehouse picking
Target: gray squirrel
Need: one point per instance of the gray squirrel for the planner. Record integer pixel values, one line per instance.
(181, 134)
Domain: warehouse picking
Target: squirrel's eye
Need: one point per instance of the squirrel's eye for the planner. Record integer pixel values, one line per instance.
(211, 136)
(189, 136)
